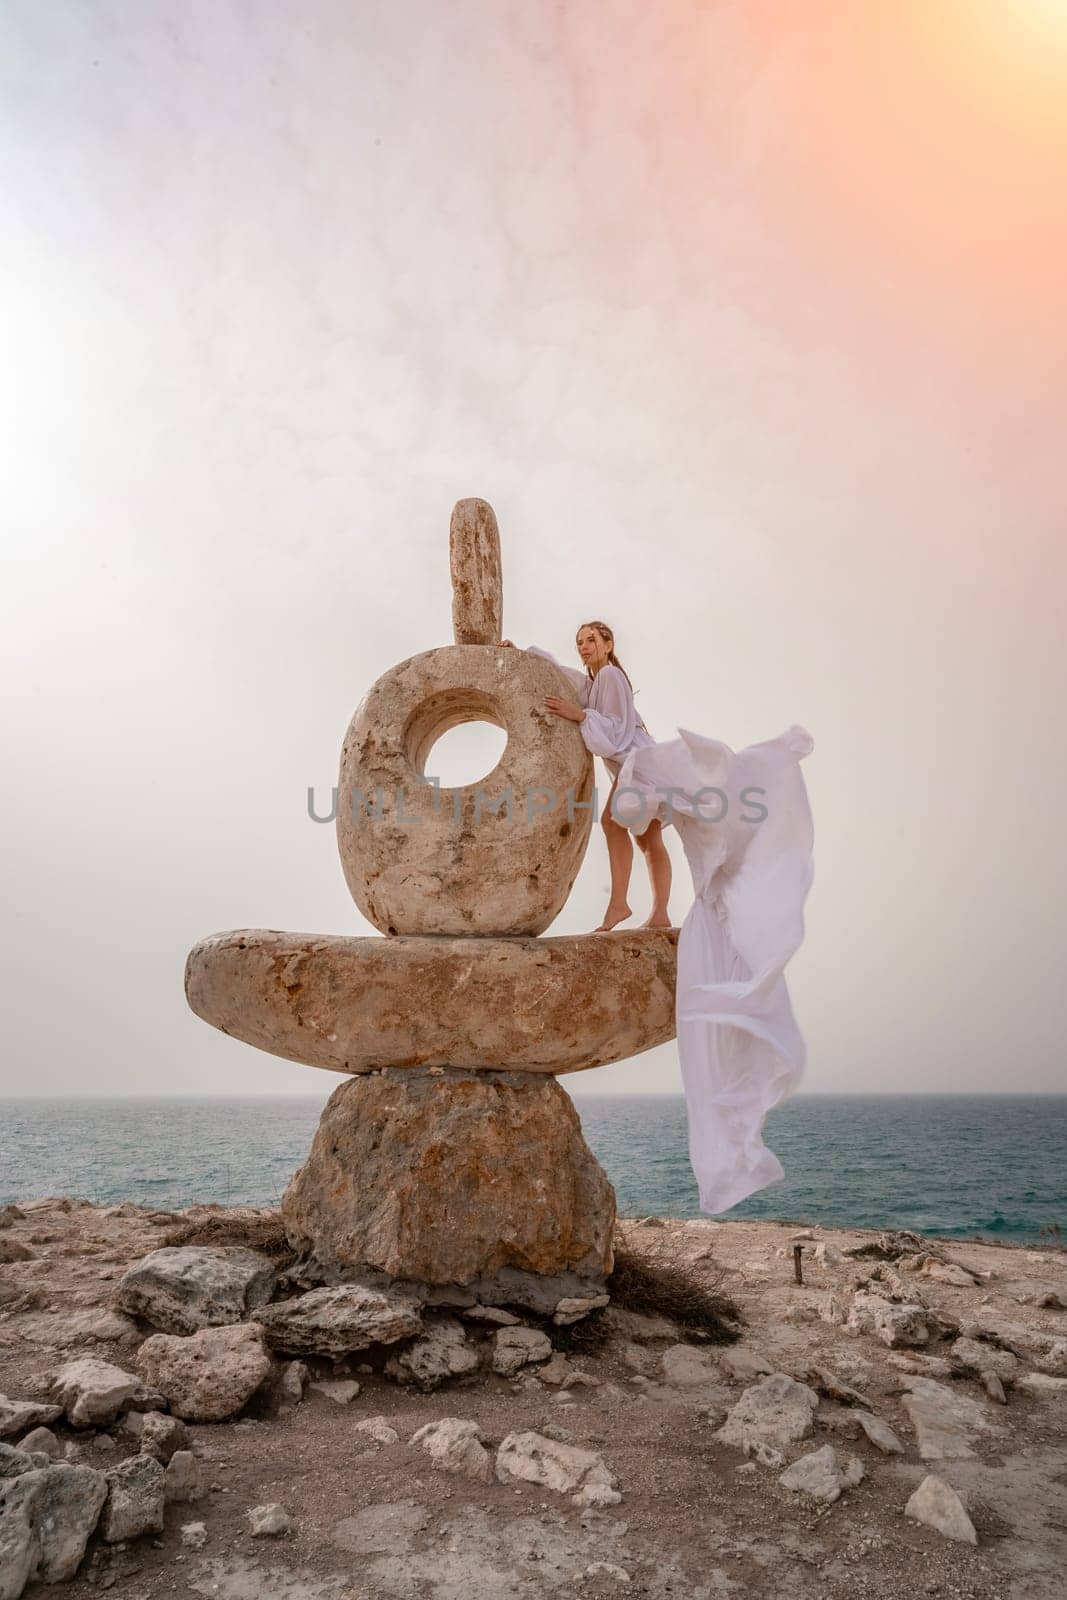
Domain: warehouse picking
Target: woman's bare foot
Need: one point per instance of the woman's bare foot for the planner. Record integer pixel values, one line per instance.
(658, 922)
(613, 915)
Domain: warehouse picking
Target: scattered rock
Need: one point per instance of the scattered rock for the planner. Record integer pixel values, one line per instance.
(94, 1392)
(744, 1365)
(442, 1353)
(18, 1415)
(292, 1379)
(161, 1436)
(42, 1441)
(342, 1391)
(182, 1480)
(1041, 1383)
(777, 1411)
(209, 1375)
(528, 1457)
(518, 1347)
(134, 1501)
(185, 1288)
(637, 1326)
(821, 1476)
(976, 1357)
(494, 1314)
(879, 1433)
(921, 1366)
(336, 1321)
(946, 1272)
(825, 1382)
(193, 1535)
(993, 1388)
(12, 1250)
(455, 1445)
(940, 1507)
(572, 1308)
(379, 1429)
(944, 1419)
(828, 1255)
(269, 1521)
(895, 1325)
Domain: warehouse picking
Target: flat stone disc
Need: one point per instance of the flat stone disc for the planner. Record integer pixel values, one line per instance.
(520, 1004)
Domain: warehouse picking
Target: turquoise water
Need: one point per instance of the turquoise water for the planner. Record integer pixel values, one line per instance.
(949, 1164)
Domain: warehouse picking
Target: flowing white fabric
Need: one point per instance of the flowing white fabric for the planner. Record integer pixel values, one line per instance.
(746, 828)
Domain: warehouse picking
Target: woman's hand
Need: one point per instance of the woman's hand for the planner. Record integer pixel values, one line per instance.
(565, 708)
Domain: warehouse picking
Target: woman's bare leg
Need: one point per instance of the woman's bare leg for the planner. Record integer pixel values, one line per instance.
(658, 862)
(621, 857)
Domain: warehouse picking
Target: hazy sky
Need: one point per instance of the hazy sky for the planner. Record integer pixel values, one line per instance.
(749, 321)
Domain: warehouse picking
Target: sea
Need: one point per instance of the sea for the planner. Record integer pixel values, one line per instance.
(989, 1166)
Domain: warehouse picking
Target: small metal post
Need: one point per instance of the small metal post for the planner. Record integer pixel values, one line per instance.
(797, 1252)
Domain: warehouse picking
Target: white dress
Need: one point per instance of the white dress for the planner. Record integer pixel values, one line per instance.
(746, 828)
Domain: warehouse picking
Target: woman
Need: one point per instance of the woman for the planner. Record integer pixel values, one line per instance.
(745, 825)
(611, 727)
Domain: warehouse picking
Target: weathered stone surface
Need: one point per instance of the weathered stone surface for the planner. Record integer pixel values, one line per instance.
(182, 1481)
(185, 1288)
(161, 1436)
(14, 1462)
(777, 1411)
(418, 859)
(42, 1441)
(353, 1005)
(18, 1415)
(336, 1321)
(209, 1375)
(269, 1522)
(896, 1325)
(939, 1506)
(442, 1353)
(821, 1475)
(944, 1419)
(517, 1347)
(94, 1392)
(477, 580)
(135, 1499)
(571, 1309)
(20, 1497)
(342, 1391)
(453, 1182)
(685, 1365)
(977, 1357)
(529, 1457)
(380, 1429)
(879, 1433)
(66, 1515)
(454, 1444)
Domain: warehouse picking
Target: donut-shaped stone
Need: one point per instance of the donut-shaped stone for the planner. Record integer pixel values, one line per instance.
(495, 857)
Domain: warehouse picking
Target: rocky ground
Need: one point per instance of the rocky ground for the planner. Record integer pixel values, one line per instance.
(363, 1450)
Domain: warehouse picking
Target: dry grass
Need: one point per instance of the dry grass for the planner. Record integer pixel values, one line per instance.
(658, 1279)
(264, 1234)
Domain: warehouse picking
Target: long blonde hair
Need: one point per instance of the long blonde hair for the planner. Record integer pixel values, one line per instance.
(608, 637)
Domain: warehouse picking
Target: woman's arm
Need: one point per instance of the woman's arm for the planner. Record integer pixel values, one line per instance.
(610, 728)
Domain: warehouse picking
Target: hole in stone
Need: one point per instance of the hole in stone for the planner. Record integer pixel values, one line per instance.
(465, 754)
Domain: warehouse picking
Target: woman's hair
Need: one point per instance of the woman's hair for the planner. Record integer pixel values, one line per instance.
(609, 639)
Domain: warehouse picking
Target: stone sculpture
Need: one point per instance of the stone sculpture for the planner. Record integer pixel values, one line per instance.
(449, 1163)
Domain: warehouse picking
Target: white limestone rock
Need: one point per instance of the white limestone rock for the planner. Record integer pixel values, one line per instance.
(938, 1505)
(454, 1444)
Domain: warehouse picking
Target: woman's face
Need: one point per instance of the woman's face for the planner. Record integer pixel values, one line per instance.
(593, 649)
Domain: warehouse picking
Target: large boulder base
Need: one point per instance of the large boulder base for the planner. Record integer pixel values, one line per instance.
(453, 1178)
